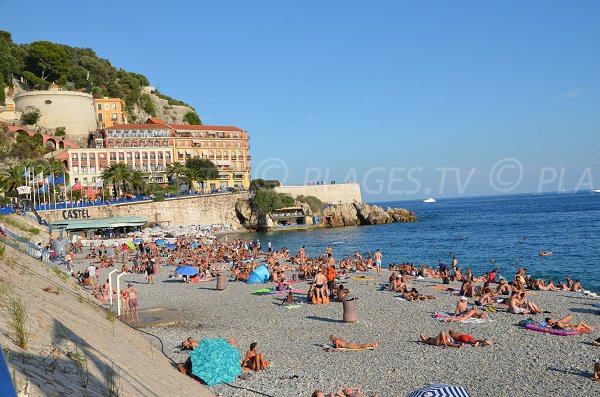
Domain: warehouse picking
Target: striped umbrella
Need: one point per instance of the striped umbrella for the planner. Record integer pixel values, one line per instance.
(440, 390)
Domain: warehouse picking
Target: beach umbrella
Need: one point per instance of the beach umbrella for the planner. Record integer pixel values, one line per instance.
(186, 270)
(440, 390)
(137, 240)
(195, 244)
(131, 245)
(160, 241)
(215, 361)
(170, 246)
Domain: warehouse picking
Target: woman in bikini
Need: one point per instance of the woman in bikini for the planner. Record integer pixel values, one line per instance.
(441, 340)
(468, 339)
(344, 344)
(254, 360)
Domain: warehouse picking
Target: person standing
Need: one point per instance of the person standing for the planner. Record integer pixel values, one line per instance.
(378, 258)
(133, 302)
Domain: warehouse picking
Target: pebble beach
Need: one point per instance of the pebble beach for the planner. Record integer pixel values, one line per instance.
(519, 363)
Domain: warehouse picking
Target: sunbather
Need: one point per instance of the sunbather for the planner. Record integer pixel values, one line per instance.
(441, 340)
(338, 342)
(462, 312)
(468, 339)
(254, 360)
(565, 323)
(596, 372)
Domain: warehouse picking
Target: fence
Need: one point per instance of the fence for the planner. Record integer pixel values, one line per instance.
(27, 247)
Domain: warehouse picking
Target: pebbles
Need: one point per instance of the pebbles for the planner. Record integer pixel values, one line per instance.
(520, 363)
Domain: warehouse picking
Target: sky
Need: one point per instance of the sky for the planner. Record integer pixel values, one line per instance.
(410, 98)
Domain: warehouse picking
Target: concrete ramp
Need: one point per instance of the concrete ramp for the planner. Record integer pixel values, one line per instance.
(157, 317)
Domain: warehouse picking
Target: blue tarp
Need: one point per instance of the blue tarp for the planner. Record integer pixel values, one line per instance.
(259, 275)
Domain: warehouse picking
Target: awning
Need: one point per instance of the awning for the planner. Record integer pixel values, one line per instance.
(104, 223)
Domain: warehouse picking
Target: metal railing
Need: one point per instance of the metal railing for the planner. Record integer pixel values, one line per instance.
(27, 247)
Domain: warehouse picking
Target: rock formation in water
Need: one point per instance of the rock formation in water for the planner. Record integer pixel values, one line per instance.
(335, 215)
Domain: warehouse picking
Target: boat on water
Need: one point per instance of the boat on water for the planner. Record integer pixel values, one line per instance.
(596, 190)
(429, 200)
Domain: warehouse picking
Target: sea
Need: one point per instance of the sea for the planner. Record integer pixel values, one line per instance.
(484, 233)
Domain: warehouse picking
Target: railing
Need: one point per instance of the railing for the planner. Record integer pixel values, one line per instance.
(26, 247)
(6, 384)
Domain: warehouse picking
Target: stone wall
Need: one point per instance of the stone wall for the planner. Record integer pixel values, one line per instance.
(197, 210)
(339, 193)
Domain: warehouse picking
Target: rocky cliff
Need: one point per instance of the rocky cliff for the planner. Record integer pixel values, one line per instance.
(356, 213)
(171, 113)
(336, 215)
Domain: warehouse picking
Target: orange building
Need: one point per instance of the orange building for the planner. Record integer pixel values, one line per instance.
(109, 111)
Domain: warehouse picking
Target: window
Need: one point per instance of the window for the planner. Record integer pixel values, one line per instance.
(83, 157)
(121, 156)
(152, 156)
(84, 169)
(137, 156)
(114, 117)
(99, 107)
(106, 106)
(101, 156)
(145, 156)
(113, 156)
(126, 143)
(111, 144)
(99, 116)
(114, 106)
(167, 155)
(75, 169)
(74, 157)
(128, 156)
(160, 155)
(92, 157)
(92, 169)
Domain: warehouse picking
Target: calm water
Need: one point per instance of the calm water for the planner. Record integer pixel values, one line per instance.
(482, 232)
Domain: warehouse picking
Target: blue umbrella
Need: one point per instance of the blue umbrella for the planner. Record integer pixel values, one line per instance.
(186, 270)
(160, 241)
(440, 390)
(195, 244)
(170, 246)
(137, 240)
(215, 361)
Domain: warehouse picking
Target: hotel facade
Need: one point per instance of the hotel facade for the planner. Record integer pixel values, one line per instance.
(152, 146)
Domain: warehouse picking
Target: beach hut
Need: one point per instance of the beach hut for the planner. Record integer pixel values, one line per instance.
(259, 275)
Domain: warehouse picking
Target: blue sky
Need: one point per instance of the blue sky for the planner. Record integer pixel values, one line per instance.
(441, 98)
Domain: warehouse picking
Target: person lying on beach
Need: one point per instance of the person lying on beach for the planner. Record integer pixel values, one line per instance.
(574, 286)
(339, 342)
(191, 343)
(441, 340)
(254, 360)
(565, 323)
(462, 312)
(468, 339)
(414, 295)
(349, 392)
(540, 285)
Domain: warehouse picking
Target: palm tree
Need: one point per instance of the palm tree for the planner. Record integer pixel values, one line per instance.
(191, 175)
(54, 167)
(11, 178)
(175, 169)
(118, 174)
(138, 181)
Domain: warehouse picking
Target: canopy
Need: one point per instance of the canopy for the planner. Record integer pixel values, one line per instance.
(259, 275)
(104, 223)
(215, 361)
(186, 270)
(440, 390)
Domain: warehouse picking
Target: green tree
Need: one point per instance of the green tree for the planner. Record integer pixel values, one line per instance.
(191, 175)
(257, 184)
(205, 169)
(60, 131)
(2, 93)
(47, 60)
(176, 169)
(269, 200)
(138, 181)
(31, 115)
(192, 118)
(117, 174)
(11, 178)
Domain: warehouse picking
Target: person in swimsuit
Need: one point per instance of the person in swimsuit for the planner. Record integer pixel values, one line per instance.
(565, 323)
(338, 342)
(441, 340)
(378, 259)
(254, 360)
(468, 339)
(133, 302)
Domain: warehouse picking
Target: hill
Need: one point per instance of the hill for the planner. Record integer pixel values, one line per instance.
(40, 63)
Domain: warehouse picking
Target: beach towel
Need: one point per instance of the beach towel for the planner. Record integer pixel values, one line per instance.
(364, 278)
(441, 316)
(293, 306)
(543, 327)
(263, 291)
(401, 298)
(330, 348)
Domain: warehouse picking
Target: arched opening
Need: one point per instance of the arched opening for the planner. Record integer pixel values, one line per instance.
(61, 145)
(50, 144)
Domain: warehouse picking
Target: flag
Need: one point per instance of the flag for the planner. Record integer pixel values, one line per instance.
(60, 180)
(43, 189)
(76, 186)
(49, 179)
(39, 177)
(26, 172)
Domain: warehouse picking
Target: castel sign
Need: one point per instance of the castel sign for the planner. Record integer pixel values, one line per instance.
(76, 214)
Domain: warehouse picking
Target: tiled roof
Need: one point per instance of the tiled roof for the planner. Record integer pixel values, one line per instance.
(205, 127)
(139, 127)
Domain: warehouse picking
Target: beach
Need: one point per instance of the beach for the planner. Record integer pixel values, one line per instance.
(519, 363)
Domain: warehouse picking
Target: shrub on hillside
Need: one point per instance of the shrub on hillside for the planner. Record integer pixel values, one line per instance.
(31, 115)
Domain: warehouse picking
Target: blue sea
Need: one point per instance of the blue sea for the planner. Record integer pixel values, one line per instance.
(482, 232)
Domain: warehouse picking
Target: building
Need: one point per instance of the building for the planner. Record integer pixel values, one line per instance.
(109, 112)
(73, 110)
(152, 146)
(225, 146)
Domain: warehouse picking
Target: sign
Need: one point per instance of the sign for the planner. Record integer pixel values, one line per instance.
(76, 214)
(24, 189)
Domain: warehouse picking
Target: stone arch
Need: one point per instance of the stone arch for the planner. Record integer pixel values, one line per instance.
(61, 144)
(50, 144)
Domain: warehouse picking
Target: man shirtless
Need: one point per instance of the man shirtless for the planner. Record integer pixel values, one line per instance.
(378, 258)
(462, 312)
(441, 340)
(320, 288)
(133, 302)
